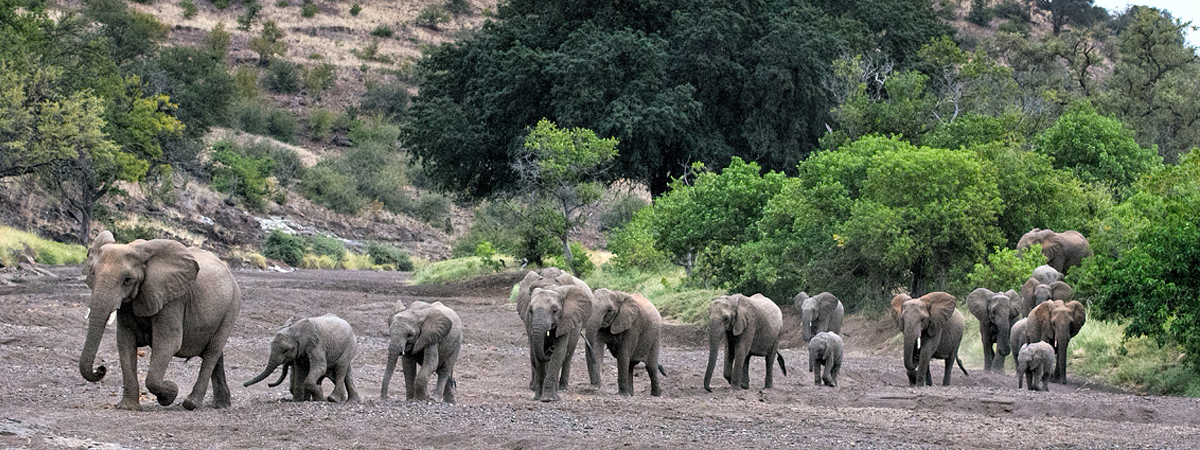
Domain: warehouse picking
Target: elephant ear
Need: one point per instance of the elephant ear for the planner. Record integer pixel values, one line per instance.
(941, 308)
(1014, 302)
(306, 335)
(1039, 322)
(977, 303)
(744, 311)
(897, 305)
(1078, 316)
(627, 314)
(826, 304)
(93, 253)
(170, 271)
(435, 327)
(577, 308)
(1061, 291)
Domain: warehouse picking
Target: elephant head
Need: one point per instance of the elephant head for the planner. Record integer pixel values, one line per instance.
(1046, 274)
(290, 342)
(145, 274)
(1034, 293)
(921, 318)
(1063, 250)
(996, 312)
(544, 278)
(1055, 322)
(821, 313)
(554, 312)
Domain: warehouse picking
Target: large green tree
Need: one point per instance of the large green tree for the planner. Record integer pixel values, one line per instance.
(1097, 149)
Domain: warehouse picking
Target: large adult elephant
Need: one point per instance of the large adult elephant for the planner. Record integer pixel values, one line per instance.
(544, 278)
(1063, 250)
(1055, 323)
(631, 332)
(933, 328)
(996, 312)
(180, 301)
(1034, 292)
(750, 326)
(819, 314)
(554, 320)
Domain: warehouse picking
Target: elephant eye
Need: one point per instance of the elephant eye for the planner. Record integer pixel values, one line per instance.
(128, 280)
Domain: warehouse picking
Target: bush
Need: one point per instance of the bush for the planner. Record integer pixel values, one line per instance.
(328, 246)
(980, 13)
(246, 20)
(327, 187)
(282, 125)
(432, 16)
(1005, 269)
(355, 9)
(433, 208)
(309, 10)
(189, 9)
(320, 124)
(382, 31)
(284, 247)
(319, 78)
(389, 100)
(283, 77)
(240, 176)
(620, 211)
(282, 3)
(458, 7)
(132, 232)
(384, 254)
(221, 4)
(484, 251)
(251, 117)
(245, 82)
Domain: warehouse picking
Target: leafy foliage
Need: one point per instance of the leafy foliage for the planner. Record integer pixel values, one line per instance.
(384, 254)
(240, 176)
(1097, 149)
(284, 247)
(328, 246)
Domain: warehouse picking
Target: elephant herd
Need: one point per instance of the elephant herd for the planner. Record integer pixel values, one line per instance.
(182, 302)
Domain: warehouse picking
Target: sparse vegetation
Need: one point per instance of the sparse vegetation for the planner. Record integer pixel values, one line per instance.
(432, 17)
(269, 42)
(283, 77)
(382, 31)
(284, 247)
(309, 10)
(355, 9)
(189, 9)
(320, 124)
(318, 78)
(13, 242)
(390, 256)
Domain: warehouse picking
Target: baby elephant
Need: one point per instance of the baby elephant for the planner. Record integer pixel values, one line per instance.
(314, 349)
(428, 335)
(825, 350)
(1035, 364)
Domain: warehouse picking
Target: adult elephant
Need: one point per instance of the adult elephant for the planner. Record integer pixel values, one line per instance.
(180, 301)
(631, 332)
(1034, 292)
(996, 312)
(819, 314)
(544, 278)
(749, 326)
(313, 349)
(1063, 250)
(429, 335)
(1055, 323)
(554, 320)
(933, 328)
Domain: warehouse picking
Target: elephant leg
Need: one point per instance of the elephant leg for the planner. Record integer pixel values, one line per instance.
(770, 378)
(339, 385)
(167, 340)
(539, 377)
(565, 378)
(988, 353)
(833, 373)
(220, 386)
(446, 385)
(535, 380)
(949, 369)
(127, 352)
(312, 383)
(558, 363)
(409, 365)
(428, 364)
(594, 356)
(652, 370)
(351, 393)
(624, 372)
(730, 350)
(208, 366)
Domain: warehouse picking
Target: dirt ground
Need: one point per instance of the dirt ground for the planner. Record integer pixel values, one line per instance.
(44, 403)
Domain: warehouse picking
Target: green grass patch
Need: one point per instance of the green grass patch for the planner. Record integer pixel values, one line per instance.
(1101, 352)
(12, 243)
(457, 269)
(664, 288)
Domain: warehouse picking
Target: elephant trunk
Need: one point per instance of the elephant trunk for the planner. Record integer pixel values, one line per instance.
(541, 328)
(393, 355)
(265, 373)
(1062, 338)
(911, 354)
(807, 325)
(1003, 340)
(282, 375)
(715, 334)
(96, 324)
(594, 351)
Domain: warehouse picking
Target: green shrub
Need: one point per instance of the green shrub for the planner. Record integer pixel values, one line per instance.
(382, 31)
(458, 7)
(282, 125)
(450, 270)
(238, 175)
(1005, 269)
(620, 211)
(633, 248)
(980, 13)
(315, 56)
(319, 78)
(133, 232)
(371, 53)
(284, 247)
(246, 20)
(251, 117)
(327, 187)
(309, 10)
(221, 4)
(355, 9)
(282, 3)
(389, 100)
(485, 252)
(189, 9)
(320, 124)
(384, 254)
(245, 82)
(433, 208)
(328, 246)
(283, 77)
(432, 16)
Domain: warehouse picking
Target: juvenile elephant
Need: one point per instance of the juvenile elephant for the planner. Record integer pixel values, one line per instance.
(749, 326)
(825, 351)
(1063, 250)
(996, 313)
(1018, 336)
(1034, 292)
(314, 348)
(181, 301)
(545, 278)
(1035, 365)
(933, 328)
(819, 314)
(1055, 323)
(554, 320)
(631, 332)
(428, 335)
(1046, 274)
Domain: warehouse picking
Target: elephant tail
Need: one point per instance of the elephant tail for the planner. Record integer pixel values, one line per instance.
(660, 370)
(960, 366)
(783, 367)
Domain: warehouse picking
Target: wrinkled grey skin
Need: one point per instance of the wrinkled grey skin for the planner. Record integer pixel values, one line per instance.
(825, 358)
(554, 320)
(1063, 250)
(933, 329)
(1046, 274)
(181, 301)
(1018, 337)
(425, 335)
(544, 278)
(1055, 322)
(1034, 292)
(313, 349)
(749, 326)
(631, 332)
(1035, 366)
(996, 313)
(818, 314)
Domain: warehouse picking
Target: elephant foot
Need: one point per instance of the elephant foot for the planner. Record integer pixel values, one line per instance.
(550, 398)
(166, 393)
(656, 391)
(129, 404)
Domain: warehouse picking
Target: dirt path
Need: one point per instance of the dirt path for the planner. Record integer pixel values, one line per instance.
(44, 403)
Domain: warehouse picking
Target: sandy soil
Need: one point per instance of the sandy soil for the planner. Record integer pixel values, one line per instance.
(44, 403)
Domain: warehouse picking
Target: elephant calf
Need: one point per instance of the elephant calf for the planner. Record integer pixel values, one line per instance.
(1035, 365)
(825, 351)
(428, 335)
(314, 349)
(630, 329)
